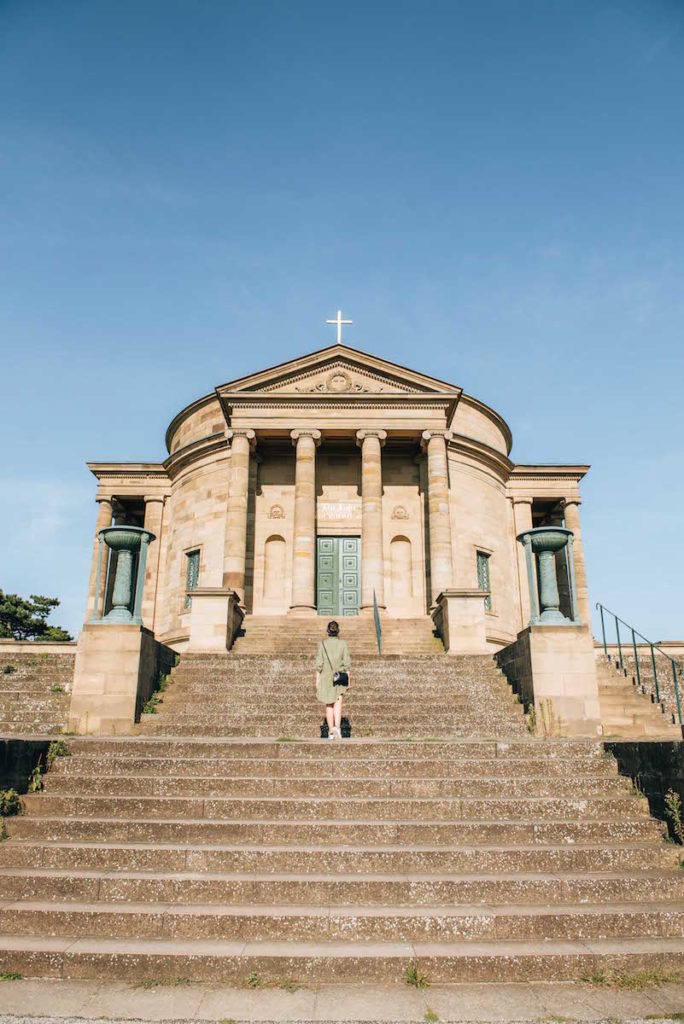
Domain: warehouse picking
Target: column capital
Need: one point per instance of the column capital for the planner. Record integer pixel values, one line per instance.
(149, 499)
(242, 432)
(570, 501)
(521, 499)
(306, 432)
(109, 498)
(427, 436)
(361, 435)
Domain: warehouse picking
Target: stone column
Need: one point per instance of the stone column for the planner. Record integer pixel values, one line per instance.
(235, 547)
(439, 520)
(372, 560)
(572, 522)
(154, 515)
(522, 520)
(304, 540)
(104, 518)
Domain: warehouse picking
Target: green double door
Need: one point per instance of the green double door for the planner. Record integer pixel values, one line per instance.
(338, 576)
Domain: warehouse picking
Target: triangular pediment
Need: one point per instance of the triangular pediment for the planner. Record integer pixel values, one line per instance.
(339, 370)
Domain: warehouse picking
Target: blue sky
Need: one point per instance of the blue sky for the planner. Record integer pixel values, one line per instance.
(492, 189)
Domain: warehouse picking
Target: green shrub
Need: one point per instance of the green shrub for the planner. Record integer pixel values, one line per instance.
(57, 748)
(10, 803)
(35, 779)
(7, 670)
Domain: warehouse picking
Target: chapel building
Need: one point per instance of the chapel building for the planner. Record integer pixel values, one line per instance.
(333, 484)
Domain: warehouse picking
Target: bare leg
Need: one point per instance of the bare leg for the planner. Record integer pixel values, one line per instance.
(330, 716)
(338, 712)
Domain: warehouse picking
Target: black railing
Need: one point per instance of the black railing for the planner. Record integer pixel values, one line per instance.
(669, 666)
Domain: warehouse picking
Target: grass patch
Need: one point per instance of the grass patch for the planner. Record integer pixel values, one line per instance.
(7, 670)
(289, 984)
(56, 688)
(252, 980)
(415, 977)
(635, 981)
(430, 1016)
(163, 982)
(10, 976)
(286, 739)
(10, 803)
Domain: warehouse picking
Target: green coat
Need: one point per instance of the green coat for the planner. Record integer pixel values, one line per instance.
(338, 652)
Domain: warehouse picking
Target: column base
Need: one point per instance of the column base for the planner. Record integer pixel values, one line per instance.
(368, 609)
(302, 610)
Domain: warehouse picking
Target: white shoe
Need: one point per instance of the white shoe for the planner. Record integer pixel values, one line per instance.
(331, 734)
(338, 733)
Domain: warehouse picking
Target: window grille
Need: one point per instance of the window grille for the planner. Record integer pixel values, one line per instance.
(191, 574)
(483, 580)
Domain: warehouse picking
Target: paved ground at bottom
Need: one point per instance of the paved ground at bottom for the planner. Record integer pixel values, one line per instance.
(83, 1002)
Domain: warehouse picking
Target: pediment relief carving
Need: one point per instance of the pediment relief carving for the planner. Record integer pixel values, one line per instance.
(339, 378)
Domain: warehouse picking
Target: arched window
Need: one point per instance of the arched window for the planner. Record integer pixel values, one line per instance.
(274, 568)
(402, 565)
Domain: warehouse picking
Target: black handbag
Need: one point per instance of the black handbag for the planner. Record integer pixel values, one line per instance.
(339, 678)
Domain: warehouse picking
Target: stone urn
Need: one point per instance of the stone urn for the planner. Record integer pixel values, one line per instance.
(127, 541)
(545, 542)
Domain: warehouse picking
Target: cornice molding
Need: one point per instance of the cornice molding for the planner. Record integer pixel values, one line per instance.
(550, 471)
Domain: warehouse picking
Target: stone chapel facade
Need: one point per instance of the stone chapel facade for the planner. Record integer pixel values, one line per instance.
(332, 481)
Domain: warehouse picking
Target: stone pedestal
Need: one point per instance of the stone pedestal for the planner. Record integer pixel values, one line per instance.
(117, 667)
(554, 669)
(460, 621)
(215, 619)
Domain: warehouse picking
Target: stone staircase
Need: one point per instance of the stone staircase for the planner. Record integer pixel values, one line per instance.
(33, 691)
(285, 635)
(162, 858)
(627, 709)
(413, 696)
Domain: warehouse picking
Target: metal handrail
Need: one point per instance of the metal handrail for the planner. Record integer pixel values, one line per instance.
(676, 666)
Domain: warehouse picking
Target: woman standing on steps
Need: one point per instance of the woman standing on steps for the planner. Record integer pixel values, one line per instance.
(332, 657)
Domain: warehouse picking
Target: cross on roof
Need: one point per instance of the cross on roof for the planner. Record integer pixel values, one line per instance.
(339, 321)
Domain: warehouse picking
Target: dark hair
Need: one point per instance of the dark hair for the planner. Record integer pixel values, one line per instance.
(333, 628)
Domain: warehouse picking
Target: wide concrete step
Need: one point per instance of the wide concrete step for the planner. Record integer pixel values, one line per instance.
(148, 785)
(343, 924)
(522, 770)
(228, 961)
(335, 832)
(164, 857)
(527, 748)
(385, 720)
(346, 808)
(661, 889)
(284, 705)
(294, 728)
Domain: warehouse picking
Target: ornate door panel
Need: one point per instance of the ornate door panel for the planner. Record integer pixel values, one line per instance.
(338, 576)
